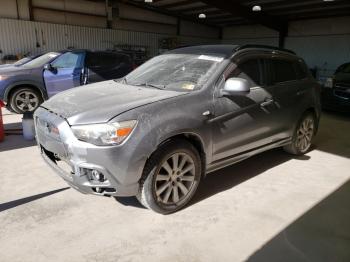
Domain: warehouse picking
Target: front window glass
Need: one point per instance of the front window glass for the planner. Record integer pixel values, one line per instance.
(184, 72)
(41, 60)
(249, 70)
(68, 60)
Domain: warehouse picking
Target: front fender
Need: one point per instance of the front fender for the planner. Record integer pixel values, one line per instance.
(39, 86)
(163, 120)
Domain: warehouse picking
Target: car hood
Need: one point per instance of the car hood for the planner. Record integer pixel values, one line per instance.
(100, 102)
(6, 65)
(13, 70)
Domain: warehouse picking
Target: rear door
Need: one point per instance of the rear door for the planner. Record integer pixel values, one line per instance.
(289, 86)
(66, 72)
(117, 66)
(94, 63)
(107, 65)
(242, 123)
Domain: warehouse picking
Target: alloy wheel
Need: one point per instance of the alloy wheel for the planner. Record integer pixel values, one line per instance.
(305, 134)
(175, 179)
(27, 101)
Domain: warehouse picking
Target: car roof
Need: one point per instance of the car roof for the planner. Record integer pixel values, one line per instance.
(221, 50)
(121, 53)
(226, 50)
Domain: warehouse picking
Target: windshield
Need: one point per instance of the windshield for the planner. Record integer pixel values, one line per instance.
(22, 61)
(345, 68)
(183, 72)
(41, 60)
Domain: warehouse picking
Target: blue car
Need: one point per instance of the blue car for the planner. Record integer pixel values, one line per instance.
(23, 88)
(20, 62)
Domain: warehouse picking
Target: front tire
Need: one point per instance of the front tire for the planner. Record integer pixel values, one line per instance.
(303, 135)
(25, 99)
(170, 177)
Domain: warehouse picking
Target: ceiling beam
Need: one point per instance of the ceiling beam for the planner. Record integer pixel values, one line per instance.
(235, 8)
(177, 4)
(316, 15)
(314, 9)
(161, 10)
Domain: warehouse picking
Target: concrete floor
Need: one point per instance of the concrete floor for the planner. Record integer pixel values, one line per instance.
(272, 207)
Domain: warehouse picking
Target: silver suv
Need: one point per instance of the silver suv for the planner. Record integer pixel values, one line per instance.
(157, 132)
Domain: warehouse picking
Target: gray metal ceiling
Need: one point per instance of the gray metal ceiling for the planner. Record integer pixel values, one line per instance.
(235, 12)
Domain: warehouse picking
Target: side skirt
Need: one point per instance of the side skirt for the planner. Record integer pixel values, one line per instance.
(216, 165)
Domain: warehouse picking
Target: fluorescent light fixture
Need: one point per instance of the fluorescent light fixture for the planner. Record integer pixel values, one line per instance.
(148, 1)
(256, 8)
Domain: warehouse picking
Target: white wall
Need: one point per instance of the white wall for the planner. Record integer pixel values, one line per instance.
(8, 9)
(94, 14)
(250, 34)
(324, 43)
(23, 11)
(20, 37)
(134, 13)
(193, 29)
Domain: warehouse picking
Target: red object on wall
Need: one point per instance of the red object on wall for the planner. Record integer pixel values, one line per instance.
(2, 131)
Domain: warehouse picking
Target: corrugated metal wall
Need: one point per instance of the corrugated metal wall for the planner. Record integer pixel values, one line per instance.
(17, 36)
(323, 43)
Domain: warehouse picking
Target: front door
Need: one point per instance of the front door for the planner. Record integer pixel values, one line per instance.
(66, 72)
(244, 122)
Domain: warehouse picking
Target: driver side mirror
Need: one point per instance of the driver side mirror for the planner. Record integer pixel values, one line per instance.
(235, 87)
(50, 68)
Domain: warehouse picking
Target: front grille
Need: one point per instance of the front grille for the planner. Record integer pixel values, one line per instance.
(343, 94)
(66, 168)
(342, 85)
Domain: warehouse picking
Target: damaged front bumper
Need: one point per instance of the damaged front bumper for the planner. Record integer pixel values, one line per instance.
(90, 169)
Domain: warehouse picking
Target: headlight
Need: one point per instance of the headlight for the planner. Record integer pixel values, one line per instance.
(104, 134)
(2, 77)
(329, 82)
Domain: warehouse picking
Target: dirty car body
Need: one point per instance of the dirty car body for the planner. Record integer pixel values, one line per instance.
(174, 98)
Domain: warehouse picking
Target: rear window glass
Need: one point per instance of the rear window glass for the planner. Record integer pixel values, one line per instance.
(105, 60)
(283, 71)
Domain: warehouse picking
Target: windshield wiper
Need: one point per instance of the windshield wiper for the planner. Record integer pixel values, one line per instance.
(161, 87)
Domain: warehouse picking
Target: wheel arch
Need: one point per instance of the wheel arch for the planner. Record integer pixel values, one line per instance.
(193, 139)
(312, 110)
(9, 91)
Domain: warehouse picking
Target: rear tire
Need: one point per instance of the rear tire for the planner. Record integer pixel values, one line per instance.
(302, 136)
(170, 177)
(25, 99)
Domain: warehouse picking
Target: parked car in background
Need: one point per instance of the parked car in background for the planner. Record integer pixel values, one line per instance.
(336, 91)
(177, 117)
(20, 62)
(25, 87)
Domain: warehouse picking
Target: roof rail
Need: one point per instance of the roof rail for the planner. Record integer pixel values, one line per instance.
(265, 47)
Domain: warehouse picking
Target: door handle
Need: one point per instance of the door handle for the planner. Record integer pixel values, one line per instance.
(267, 102)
